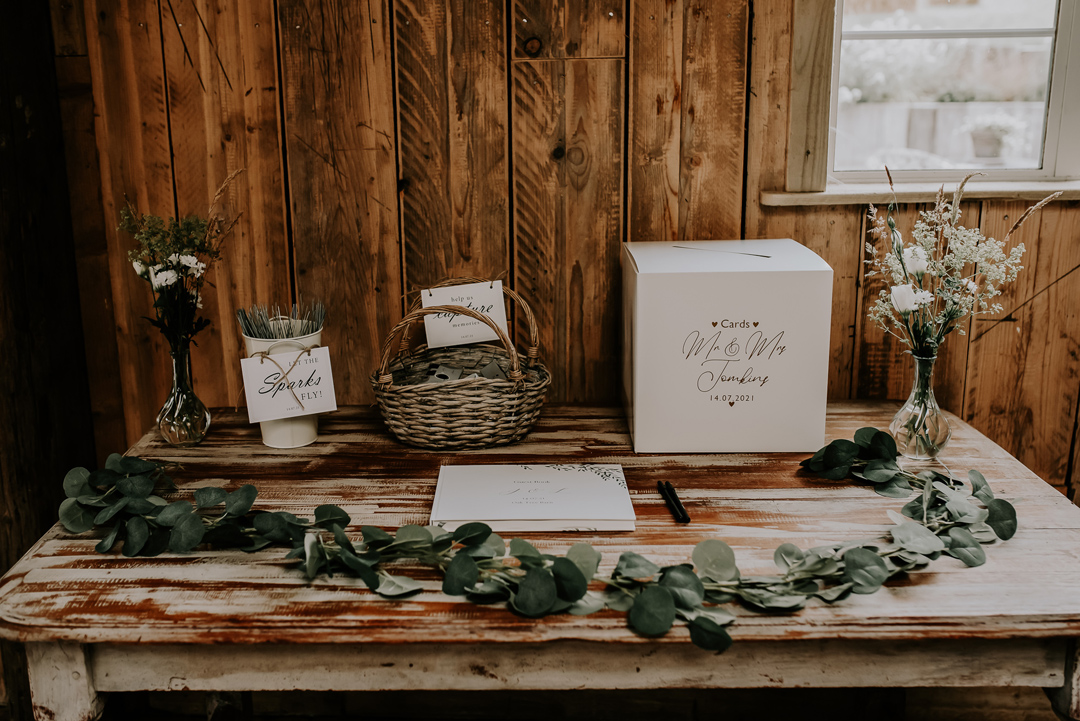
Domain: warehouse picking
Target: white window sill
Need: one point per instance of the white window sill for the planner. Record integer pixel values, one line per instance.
(880, 194)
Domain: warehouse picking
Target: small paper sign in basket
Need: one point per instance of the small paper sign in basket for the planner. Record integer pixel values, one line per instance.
(494, 401)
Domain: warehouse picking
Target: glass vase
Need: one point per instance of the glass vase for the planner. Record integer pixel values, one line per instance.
(920, 428)
(183, 420)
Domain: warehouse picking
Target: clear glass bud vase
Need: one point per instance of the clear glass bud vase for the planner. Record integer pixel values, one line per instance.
(920, 427)
(183, 420)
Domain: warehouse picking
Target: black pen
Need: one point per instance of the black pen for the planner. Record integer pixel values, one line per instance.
(684, 516)
(667, 491)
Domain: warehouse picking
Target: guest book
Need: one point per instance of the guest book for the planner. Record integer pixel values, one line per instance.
(534, 497)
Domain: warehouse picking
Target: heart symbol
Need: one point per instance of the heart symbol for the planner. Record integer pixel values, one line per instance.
(714, 324)
(755, 324)
(731, 403)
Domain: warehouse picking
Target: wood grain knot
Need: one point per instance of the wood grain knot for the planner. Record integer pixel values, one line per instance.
(533, 46)
(558, 153)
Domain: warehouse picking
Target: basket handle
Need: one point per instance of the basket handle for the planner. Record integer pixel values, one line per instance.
(386, 378)
(531, 353)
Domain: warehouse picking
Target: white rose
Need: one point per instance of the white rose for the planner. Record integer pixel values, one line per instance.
(915, 260)
(903, 298)
(923, 297)
(140, 269)
(164, 278)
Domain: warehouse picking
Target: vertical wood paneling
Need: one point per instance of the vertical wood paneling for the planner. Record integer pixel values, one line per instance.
(124, 48)
(655, 104)
(221, 68)
(68, 26)
(452, 117)
(833, 232)
(568, 220)
(339, 131)
(713, 119)
(569, 28)
(1024, 372)
(811, 87)
(89, 234)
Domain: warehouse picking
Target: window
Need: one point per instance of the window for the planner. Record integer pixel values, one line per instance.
(937, 88)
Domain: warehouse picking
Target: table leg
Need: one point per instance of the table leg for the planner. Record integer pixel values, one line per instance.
(61, 686)
(1066, 699)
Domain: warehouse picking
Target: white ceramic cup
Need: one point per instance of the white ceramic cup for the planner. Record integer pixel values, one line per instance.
(287, 432)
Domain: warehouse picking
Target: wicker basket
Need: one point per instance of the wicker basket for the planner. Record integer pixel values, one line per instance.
(468, 412)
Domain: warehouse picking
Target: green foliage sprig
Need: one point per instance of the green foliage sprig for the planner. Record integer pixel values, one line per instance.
(941, 518)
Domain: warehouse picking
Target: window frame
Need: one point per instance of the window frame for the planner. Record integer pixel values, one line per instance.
(1060, 149)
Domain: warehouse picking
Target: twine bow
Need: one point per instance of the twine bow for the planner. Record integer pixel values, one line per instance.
(305, 351)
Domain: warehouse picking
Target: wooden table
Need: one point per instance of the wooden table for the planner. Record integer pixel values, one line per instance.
(215, 620)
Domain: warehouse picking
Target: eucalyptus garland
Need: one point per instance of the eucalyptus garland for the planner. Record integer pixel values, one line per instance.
(941, 517)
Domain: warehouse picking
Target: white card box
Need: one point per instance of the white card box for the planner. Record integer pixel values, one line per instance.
(725, 346)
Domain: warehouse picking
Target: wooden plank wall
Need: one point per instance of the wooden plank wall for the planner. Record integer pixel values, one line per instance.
(391, 143)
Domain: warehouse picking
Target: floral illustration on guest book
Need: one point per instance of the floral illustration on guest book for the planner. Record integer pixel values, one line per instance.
(733, 359)
(603, 472)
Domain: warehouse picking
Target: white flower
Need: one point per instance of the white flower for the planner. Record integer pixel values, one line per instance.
(191, 262)
(198, 298)
(923, 297)
(915, 260)
(903, 298)
(164, 278)
(140, 269)
(973, 286)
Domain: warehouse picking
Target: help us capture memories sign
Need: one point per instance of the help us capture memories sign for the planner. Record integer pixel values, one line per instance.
(444, 329)
(289, 384)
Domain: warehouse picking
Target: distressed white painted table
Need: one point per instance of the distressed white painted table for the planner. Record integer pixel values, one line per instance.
(215, 620)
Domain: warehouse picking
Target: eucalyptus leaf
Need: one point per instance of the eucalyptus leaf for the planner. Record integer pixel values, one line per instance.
(787, 555)
(376, 537)
(341, 539)
(325, 515)
(916, 538)
(966, 547)
(982, 532)
(272, 525)
(461, 575)
(570, 584)
(881, 471)
(715, 560)
(898, 487)
(979, 487)
(536, 593)
(115, 463)
(653, 611)
(684, 585)
(620, 600)
(587, 604)
(882, 446)
(472, 534)
(772, 600)
(74, 517)
(1002, 518)
(520, 548)
(187, 533)
(135, 486)
(840, 453)
(864, 570)
(709, 635)
(585, 557)
(106, 514)
(209, 496)
(863, 436)
(393, 586)
(141, 506)
(492, 547)
(835, 593)
(136, 534)
(314, 556)
(240, 501)
(106, 544)
(361, 568)
(633, 565)
(77, 483)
